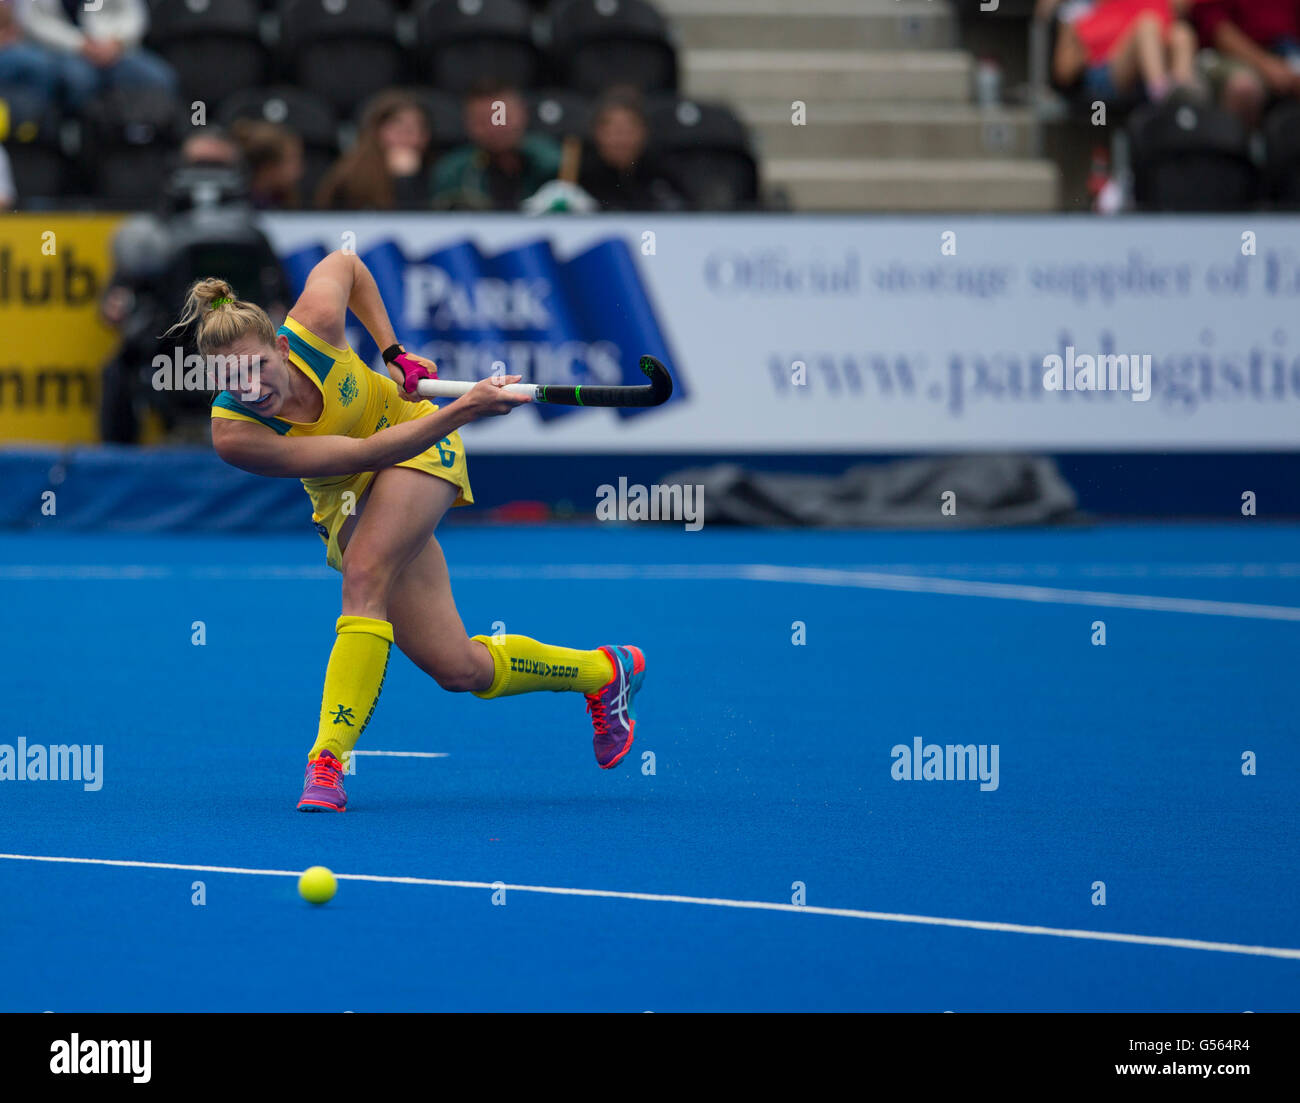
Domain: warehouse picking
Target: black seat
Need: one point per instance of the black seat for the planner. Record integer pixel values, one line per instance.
(705, 151)
(341, 50)
(310, 117)
(559, 113)
(1282, 158)
(129, 144)
(465, 41)
(31, 139)
(595, 44)
(214, 46)
(1191, 157)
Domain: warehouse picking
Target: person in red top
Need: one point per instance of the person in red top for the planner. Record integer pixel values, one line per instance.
(1259, 46)
(1124, 49)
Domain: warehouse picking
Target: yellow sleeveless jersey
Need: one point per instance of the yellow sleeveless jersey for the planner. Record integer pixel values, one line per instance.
(358, 403)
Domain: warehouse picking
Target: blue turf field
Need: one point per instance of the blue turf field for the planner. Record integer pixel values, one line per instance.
(1119, 764)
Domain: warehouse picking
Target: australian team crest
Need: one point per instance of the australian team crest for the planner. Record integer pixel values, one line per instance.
(348, 389)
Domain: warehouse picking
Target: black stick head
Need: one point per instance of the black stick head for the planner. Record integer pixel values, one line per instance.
(660, 380)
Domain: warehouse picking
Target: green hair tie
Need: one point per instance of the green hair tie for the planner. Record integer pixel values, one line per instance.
(219, 302)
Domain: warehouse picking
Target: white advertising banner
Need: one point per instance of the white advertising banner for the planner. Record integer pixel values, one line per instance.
(843, 334)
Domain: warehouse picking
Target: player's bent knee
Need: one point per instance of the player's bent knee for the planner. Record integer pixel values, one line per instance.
(366, 582)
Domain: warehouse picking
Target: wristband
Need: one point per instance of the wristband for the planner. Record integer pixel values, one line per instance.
(393, 352)
(412, 371)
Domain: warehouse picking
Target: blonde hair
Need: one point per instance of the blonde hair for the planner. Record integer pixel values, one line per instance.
(222, 316)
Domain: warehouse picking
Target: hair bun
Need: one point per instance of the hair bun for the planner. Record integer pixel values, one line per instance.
(210, 290)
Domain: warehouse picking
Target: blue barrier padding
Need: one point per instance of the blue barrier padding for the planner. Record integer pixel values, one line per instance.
(121, 488)
(129, 489)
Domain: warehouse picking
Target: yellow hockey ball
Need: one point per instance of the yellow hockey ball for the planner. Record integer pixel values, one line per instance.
(317, 885)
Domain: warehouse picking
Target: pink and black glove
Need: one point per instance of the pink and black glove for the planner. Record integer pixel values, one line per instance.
(407, 370)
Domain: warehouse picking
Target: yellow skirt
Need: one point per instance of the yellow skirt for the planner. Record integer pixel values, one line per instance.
(335, 500)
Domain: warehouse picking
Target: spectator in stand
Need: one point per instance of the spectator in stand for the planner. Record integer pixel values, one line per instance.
(97, 49)
(8, 193)
(615, 169)
(210, 146)
(23, 64)
(1258, 42)
(1126, 50)
(503, 164)
(386, 169)
(273, 154)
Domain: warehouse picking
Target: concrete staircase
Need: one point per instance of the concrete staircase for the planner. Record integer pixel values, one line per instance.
(890, 124)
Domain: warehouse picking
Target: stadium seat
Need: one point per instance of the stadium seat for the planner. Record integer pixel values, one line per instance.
(129, 144)
(30, 134)
(705, 150)
(446, 118)
(1282, 164)
(214, 45)
(342, 50)
(1190, 157)
(465, 41)
(595, 44)
(310, 117)
(559, 113)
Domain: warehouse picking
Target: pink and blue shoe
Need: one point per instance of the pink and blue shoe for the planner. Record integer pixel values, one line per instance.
(612, 714)
(322, 789)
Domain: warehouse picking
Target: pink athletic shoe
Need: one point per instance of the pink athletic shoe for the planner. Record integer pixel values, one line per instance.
(322, 789)
(610, 707)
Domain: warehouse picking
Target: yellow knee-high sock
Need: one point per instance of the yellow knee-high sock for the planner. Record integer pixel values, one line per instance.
(526, 666)
(353, 679)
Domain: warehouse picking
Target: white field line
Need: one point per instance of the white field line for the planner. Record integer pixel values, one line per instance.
(404, 754)
(1010, 591)
(713, 902)
(846, 578)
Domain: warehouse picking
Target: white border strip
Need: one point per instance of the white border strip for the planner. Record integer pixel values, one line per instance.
(713, 902)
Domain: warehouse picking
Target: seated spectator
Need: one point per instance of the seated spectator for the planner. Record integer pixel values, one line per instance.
(1126, 50)
(99, 49)
(386, 169)
(154, 258)
(210, 146)
(503, 164)
(23, 64)
(615, 169)
(8, 193)
(1258, 42)
(273, 154)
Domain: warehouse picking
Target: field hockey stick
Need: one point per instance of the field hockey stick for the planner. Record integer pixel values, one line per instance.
(656, 393)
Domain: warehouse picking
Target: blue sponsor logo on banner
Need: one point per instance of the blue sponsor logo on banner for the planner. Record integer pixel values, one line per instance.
(581, 322)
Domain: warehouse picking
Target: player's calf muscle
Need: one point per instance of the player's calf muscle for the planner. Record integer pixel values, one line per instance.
(461, 674)
(462, 666)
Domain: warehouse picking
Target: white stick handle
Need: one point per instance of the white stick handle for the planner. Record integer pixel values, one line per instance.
(454, 388)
